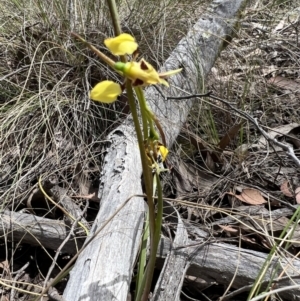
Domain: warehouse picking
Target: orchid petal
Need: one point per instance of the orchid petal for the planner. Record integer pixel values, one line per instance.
(106, 91)
(143, 74)
(169, 73)
(122, 44)
(164, 152)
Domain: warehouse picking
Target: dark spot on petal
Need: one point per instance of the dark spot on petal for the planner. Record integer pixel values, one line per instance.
(138, 82)
(143, 66)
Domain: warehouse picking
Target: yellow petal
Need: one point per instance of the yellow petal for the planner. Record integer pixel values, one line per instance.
(163, 151)
(164, 82)
(142, 73)
(169, 73)
(106, 91)
(122, 44)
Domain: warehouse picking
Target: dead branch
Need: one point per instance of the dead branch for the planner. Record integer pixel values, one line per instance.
(218, 262)
(37, 231)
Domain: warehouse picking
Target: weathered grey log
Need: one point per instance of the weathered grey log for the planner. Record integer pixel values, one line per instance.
(221, 263)
(168, 287)
(34, 230)
(215, 262)
(103, 271)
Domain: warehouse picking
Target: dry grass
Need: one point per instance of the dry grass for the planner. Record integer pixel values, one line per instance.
(258, 73)
(49, 128)
(48, 124)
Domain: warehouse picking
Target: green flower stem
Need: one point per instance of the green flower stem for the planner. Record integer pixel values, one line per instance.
(145, 167)
(153, 133)
(143, 258)
(152, 118)
(158, 222)
(159, 216)
(116, 22)
(143, 107)
(148, 115)
(114, 16)
(145, 284)
(161, 132)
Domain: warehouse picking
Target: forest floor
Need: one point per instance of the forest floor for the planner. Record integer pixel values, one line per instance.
(51, 134)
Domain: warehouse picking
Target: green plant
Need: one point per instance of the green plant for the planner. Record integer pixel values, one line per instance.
(151, 143)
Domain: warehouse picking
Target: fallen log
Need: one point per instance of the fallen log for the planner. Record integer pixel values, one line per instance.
(222, 263)
(213, 262)
(37, 231)
(103, 270)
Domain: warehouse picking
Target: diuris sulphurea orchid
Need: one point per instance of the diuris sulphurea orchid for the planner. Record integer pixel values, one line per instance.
(140, 73)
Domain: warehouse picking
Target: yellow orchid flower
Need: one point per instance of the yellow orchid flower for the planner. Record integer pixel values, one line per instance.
(106, 91)
(143, 74)
(156, 153)
(140, 73)
(122, 44)
(163, 151)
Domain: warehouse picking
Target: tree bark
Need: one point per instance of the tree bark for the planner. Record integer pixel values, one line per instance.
(103, 271)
